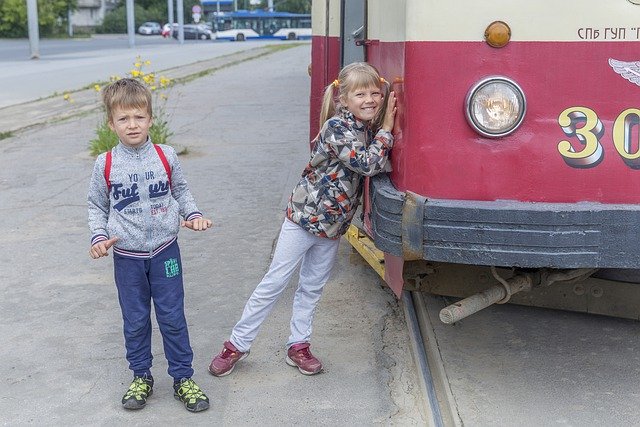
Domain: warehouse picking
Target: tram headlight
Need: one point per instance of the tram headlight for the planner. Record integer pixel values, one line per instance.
(495, 106)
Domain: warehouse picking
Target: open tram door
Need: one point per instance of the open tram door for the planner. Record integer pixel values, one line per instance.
(353, 31)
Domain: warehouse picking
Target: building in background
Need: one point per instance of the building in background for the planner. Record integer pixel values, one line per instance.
(90, 13)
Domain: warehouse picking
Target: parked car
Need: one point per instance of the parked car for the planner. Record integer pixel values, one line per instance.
(149, 28)
(192, 31)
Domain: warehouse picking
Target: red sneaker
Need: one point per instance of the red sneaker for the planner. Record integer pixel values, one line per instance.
(300, 356)
(224, 362)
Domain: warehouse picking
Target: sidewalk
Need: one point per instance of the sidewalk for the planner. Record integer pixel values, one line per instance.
(245, 128)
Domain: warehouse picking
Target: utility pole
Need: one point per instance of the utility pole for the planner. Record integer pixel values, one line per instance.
(171, 18)
(69, 23)
(131, 24)
(270, 5)
(34, 34)
(180, 12)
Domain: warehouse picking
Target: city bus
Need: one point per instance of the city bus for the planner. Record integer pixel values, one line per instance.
(516, 163)
(258, 24)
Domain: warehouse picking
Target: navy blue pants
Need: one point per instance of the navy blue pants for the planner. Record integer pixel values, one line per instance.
(159, 279)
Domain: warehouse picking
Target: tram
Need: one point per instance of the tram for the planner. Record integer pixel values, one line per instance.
(516, 164)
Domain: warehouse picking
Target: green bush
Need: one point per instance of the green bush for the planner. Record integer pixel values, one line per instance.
(150, 10)
(115, 22)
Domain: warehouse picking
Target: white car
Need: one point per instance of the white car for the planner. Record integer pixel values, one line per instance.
(150, 28)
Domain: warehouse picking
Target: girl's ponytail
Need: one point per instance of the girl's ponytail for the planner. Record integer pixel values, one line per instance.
(328, 108)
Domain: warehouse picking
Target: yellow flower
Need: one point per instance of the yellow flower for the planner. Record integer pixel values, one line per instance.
(153, 88)
(137, 65)
(97, 88)
(135, 73)
(147, 62)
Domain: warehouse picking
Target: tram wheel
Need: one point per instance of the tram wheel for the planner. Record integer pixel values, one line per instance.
(291, 36)
(240, 37)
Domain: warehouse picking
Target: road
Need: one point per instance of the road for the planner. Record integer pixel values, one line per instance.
(19, 49)
(67, 65)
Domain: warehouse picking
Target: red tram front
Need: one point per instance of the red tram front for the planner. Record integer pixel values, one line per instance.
(517, 156)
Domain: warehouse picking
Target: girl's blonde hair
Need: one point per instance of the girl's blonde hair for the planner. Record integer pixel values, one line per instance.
(126, 93)
(357, 75)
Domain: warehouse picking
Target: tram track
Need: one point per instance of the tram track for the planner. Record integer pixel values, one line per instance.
(440, 406)
(517, 365)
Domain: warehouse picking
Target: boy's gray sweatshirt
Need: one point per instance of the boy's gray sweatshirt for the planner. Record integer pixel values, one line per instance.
(142, 208)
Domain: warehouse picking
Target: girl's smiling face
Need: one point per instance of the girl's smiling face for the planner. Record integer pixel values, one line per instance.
(363, 103)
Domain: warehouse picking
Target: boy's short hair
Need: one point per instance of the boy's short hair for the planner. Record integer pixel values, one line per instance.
(126, 93)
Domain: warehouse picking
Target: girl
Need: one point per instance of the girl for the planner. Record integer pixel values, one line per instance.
(353, 143)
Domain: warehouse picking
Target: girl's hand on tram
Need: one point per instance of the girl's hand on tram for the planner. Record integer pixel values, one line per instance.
(390, 114)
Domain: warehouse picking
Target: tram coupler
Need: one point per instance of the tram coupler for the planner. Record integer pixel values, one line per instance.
(498, 294)
(501, 293)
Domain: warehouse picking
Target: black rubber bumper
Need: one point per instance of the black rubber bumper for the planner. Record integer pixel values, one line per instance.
(505, 233)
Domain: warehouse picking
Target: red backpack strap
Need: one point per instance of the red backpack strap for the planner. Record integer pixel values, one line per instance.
(107, 170)
(164, 161)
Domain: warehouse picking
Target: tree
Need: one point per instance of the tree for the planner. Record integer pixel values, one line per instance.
(52, 17)
(293, 6)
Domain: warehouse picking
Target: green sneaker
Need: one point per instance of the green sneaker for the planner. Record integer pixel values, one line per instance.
(188, 392)
(139, 390)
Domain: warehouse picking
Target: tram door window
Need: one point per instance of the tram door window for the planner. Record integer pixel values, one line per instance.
(354, 28)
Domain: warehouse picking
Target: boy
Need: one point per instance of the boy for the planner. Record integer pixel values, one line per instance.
(136, 198)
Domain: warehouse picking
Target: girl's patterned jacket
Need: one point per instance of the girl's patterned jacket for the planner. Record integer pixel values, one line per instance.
(328, 194)
(142, 208)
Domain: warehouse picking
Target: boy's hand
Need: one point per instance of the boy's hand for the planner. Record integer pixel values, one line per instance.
(198, 224)
(101, 249)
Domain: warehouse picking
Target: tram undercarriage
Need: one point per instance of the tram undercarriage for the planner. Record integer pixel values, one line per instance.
(583, 290)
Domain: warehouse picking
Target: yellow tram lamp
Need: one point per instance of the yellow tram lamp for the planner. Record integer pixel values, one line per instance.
(497, 34)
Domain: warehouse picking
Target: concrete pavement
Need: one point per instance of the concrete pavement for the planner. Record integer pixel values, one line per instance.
(245, 128)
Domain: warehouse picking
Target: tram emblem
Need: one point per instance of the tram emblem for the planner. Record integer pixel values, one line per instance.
(629, 70)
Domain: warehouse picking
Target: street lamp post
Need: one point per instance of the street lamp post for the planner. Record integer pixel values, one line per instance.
(131, 22)
(180, 12)
(34, 34)
(69, 22)
(171, 18)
